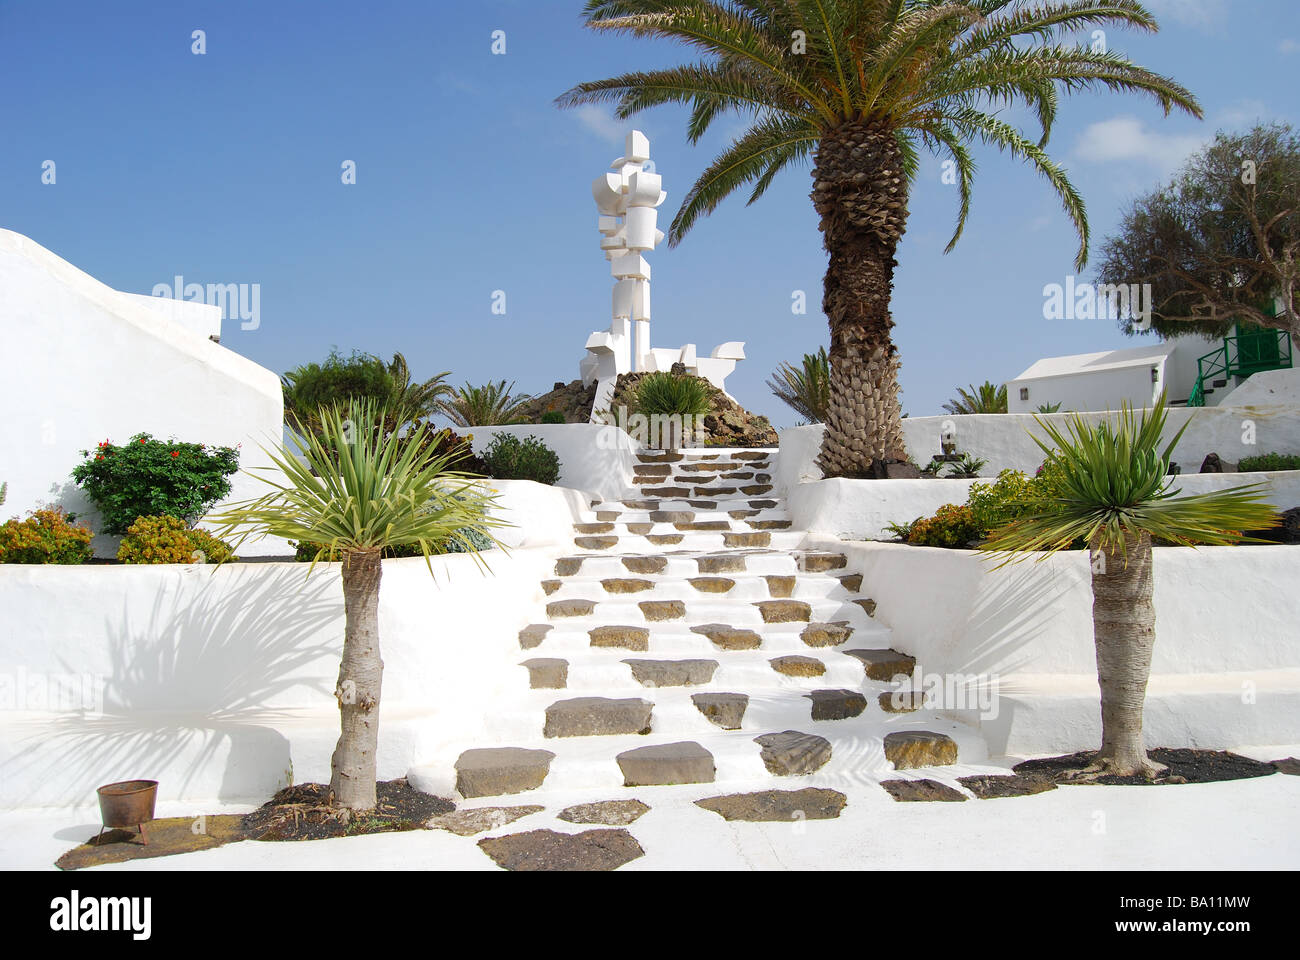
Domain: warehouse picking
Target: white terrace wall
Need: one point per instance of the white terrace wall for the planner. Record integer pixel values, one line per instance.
(1226, 671)
(90, 363)
(218, 682)
(1260, 416)
(594, 458)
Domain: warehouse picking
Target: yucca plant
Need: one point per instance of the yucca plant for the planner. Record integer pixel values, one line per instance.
(862, 87)
(988, 397)
(355, 489)
(491, 405)
(1112, 491)
(806, 390)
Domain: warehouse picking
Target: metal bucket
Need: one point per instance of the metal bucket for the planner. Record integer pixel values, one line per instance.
(129, 803)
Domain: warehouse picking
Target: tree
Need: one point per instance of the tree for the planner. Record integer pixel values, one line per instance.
(356, 489)
(862, 87)
(1221, 242)
(986, 398)
(806, 390)
(490, 405)
(360, 376)
(1113, 492)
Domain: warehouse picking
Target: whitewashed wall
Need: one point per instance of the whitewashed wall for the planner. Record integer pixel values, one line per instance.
(219, 683)
(594, 458)
(1261, 416)
(96, 364)
(1226, 671)
(864, 509)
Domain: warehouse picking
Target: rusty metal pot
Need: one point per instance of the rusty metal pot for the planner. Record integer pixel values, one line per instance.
(129, 803)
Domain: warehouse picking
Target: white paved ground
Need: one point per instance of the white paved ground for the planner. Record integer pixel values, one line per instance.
(1240, 824)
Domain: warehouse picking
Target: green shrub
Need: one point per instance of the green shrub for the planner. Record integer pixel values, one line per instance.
(166, 539)
(149, 478)
(509, 457)
(553, 416)
(48, 536)
(1004, 500)
(951, 526)
(1269, 461)
(671, 394)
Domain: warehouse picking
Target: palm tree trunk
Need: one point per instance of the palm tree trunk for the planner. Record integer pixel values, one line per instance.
(861, 194)
(1123, 625)
(353, 768)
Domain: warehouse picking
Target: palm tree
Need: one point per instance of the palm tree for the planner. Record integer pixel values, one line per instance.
(861, 87)
(986, 398)
(490, 405)
(416, 401)
(357, 489)
(807, 391)
(1113, 493)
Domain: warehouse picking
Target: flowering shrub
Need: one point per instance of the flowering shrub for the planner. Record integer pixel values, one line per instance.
(951, 526)
(168, 540)
(149, 478)
(47, 536)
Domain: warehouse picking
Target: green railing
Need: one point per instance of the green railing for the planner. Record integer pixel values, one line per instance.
(1241, 356)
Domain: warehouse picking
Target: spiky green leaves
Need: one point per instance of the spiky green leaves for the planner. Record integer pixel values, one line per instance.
(1113, 485)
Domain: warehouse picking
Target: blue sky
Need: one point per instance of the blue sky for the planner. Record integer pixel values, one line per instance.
(225, 168)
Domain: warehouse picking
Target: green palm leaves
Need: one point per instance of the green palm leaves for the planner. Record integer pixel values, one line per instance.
(807, 389)
(937, 72)
(490, 405)
(986, 398)
(355, 486)
(1112, 486)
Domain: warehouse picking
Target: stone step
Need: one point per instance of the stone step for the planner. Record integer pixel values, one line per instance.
(703, 608)
(589, 766)
(716, 639)
(758, 562)
(597, 716)
(689, 586)
(688, 502)
(689, 540)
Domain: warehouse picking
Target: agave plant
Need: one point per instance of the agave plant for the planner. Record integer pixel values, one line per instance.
(491, 405)
(861, 88)
(986, 398)
(1113, 492)
(1049, 407)
(807, 389)
(356, 489)
(967, 468)
(672, 395)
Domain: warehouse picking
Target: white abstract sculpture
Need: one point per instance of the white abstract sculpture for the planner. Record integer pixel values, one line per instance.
(628, 202)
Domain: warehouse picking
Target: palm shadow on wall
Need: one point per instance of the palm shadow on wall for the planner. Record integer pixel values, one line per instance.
(194, 679)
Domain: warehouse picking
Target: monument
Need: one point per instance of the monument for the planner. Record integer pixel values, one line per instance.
(628, 201)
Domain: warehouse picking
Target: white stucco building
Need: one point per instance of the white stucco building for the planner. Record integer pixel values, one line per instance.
(90, 363)
(1103, 380)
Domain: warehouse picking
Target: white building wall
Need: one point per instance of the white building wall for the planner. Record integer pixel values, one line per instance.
(93, 364)
(1088, 390)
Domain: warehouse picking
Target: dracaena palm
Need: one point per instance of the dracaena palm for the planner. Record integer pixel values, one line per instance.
(1112, 491)
(862, 87)
(807, 389)
(357, 488)
(986, 398)
(490, 405)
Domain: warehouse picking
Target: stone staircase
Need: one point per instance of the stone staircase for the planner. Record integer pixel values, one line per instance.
(691, 638)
